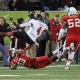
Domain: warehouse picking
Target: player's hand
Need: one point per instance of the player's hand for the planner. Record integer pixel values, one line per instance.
(50, 33)
(25, 49)
(2, 33)
(9, 34)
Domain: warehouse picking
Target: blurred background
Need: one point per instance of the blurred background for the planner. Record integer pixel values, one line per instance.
(47, 5)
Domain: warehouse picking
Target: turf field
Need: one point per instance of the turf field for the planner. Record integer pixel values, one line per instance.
(54, 71)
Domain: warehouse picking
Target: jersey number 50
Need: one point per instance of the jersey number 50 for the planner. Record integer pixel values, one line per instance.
(74, 23)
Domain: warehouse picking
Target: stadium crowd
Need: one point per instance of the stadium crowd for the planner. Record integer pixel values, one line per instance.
(47, 5)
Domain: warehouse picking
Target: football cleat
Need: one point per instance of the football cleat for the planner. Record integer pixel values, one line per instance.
(67, 67)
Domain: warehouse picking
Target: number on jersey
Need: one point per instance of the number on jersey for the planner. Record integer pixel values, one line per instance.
(74, 23)
(38, 30)
(21, 61)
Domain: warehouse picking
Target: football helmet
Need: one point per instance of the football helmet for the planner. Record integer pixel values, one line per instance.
(71, 11)
(38, 17)
(11, 54)
(13, 65)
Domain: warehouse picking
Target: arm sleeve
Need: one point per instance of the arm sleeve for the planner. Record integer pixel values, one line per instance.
(25, 24)
(61, 34)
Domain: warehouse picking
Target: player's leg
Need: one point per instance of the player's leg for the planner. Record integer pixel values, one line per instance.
(55, 52)
(42, 58)
(22, 35)
(47, 61)
(71, 55)
(18, 34)
(44, 63)
(72, 47)
(70, 58)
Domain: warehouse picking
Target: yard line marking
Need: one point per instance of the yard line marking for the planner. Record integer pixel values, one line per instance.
(41, 70)
(58, 66)
(61, 65)
(39, 79)
(10, 75)
(49, 75)
(37, 75)
(46, 66)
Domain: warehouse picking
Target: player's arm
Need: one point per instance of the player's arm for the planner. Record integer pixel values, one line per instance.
(26, 24)
(21, 51)
(62, 33)
(63, 21)
(48, 32)
(28, 47)
(13, 64)
(63, 25)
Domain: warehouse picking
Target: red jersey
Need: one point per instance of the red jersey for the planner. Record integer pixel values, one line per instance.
(22, 60)
(34, 63)
(72, 24)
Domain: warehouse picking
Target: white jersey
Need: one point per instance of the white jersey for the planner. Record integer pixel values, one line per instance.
(35, 31)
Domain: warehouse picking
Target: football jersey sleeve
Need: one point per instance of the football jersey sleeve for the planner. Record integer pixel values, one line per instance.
(79, 16)
(64, 19)
(25, 24)
(61, 34)
(45, 26)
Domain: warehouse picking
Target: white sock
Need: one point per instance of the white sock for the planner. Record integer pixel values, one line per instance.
(56, 51)
(59, 55)
(68, 63)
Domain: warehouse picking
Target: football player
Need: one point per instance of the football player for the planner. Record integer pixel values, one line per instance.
(36, 28)
(72, 23)
(18, 57)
